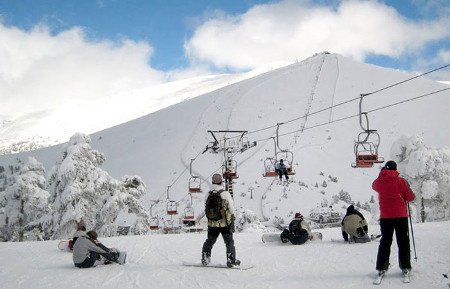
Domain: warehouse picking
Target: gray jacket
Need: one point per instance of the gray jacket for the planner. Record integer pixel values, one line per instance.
(82, 247)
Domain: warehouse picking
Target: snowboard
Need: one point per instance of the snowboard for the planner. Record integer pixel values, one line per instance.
(275, 237)
(122, 257)
(65, 245)
(217, 265)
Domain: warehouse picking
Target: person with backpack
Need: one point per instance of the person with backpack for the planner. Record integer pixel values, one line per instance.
(355, 225)
(281, 169)
(88, 252)
(299, 231)
(219, 210)
(393, 194)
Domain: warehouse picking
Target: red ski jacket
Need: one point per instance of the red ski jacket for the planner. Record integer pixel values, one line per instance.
(393, 193)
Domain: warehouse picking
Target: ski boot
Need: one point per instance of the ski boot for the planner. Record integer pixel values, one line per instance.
(206, 258)
(232, 261)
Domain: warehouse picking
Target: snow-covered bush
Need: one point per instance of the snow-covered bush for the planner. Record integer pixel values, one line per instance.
(428, 172)
(246, 220)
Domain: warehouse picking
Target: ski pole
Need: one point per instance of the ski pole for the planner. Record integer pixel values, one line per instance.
(412, 232)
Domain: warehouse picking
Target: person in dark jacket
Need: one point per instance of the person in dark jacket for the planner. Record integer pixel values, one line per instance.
(281, 170)
(355, 225)
(299, 231)
(87, 251)
(393, 194)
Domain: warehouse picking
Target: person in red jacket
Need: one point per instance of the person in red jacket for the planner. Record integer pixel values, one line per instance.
(393, 193)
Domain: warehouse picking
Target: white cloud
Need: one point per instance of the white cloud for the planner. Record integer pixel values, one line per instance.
(291, 30)
(41, 71)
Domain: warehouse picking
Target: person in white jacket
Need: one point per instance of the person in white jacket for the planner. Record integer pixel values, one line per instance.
(219, 209)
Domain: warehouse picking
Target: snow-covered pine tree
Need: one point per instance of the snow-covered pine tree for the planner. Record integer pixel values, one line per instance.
(25, 203)
(428, 172)
(81, 190)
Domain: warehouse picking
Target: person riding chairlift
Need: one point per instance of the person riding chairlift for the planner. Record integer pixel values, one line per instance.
(281, 169)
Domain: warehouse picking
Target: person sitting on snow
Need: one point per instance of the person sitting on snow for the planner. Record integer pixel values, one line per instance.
(299, 231)
(88, 252)
(355, 225)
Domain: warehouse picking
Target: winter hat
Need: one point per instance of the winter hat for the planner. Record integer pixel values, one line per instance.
(217, 179)
(350, 208)
(92, 235)
(390, 165)
(298, 216)
(281, 160)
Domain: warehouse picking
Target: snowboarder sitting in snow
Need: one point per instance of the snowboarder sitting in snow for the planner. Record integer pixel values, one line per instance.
(355, 225)
(281, 169)
(299, 231)
(88, 252)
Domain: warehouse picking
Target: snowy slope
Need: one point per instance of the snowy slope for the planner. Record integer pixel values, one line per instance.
(154, 261)
(159, 146)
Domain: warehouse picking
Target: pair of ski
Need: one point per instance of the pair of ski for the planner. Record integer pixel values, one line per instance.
(406, 278)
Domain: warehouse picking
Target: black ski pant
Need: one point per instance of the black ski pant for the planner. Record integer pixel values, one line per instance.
(94, 256)
(227, 234)
(388, 226)
(282, 172)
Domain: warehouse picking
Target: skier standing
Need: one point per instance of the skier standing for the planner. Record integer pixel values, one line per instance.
(393, 193)
(219, 210)
(299, 231)
(355, 225)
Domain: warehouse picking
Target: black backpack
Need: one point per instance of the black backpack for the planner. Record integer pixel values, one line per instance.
(214, 206)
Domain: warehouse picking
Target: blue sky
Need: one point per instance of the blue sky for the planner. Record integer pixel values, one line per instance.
(163, 23)
(52, 50)
(167, 24)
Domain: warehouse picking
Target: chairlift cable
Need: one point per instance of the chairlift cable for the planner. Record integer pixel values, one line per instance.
(350, 100)
(406, 80)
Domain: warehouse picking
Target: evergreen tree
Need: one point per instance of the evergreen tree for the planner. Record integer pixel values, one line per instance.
(81, 190)
(428, 172)
(25, 203)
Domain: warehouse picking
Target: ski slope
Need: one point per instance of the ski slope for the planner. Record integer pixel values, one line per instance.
(154, 261)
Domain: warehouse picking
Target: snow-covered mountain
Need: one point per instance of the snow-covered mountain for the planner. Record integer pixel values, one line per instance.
(159, 146)
(294, 99)
(50, 125)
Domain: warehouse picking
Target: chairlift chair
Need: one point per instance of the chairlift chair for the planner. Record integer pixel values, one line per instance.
(195, 185)
(229, 170)
(288, 158)
(269, 167)
(154, 223)
(171, 208)
(366, 149)
(188, 218)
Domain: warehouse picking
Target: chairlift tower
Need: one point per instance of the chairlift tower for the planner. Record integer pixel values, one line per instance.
(229, 146)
